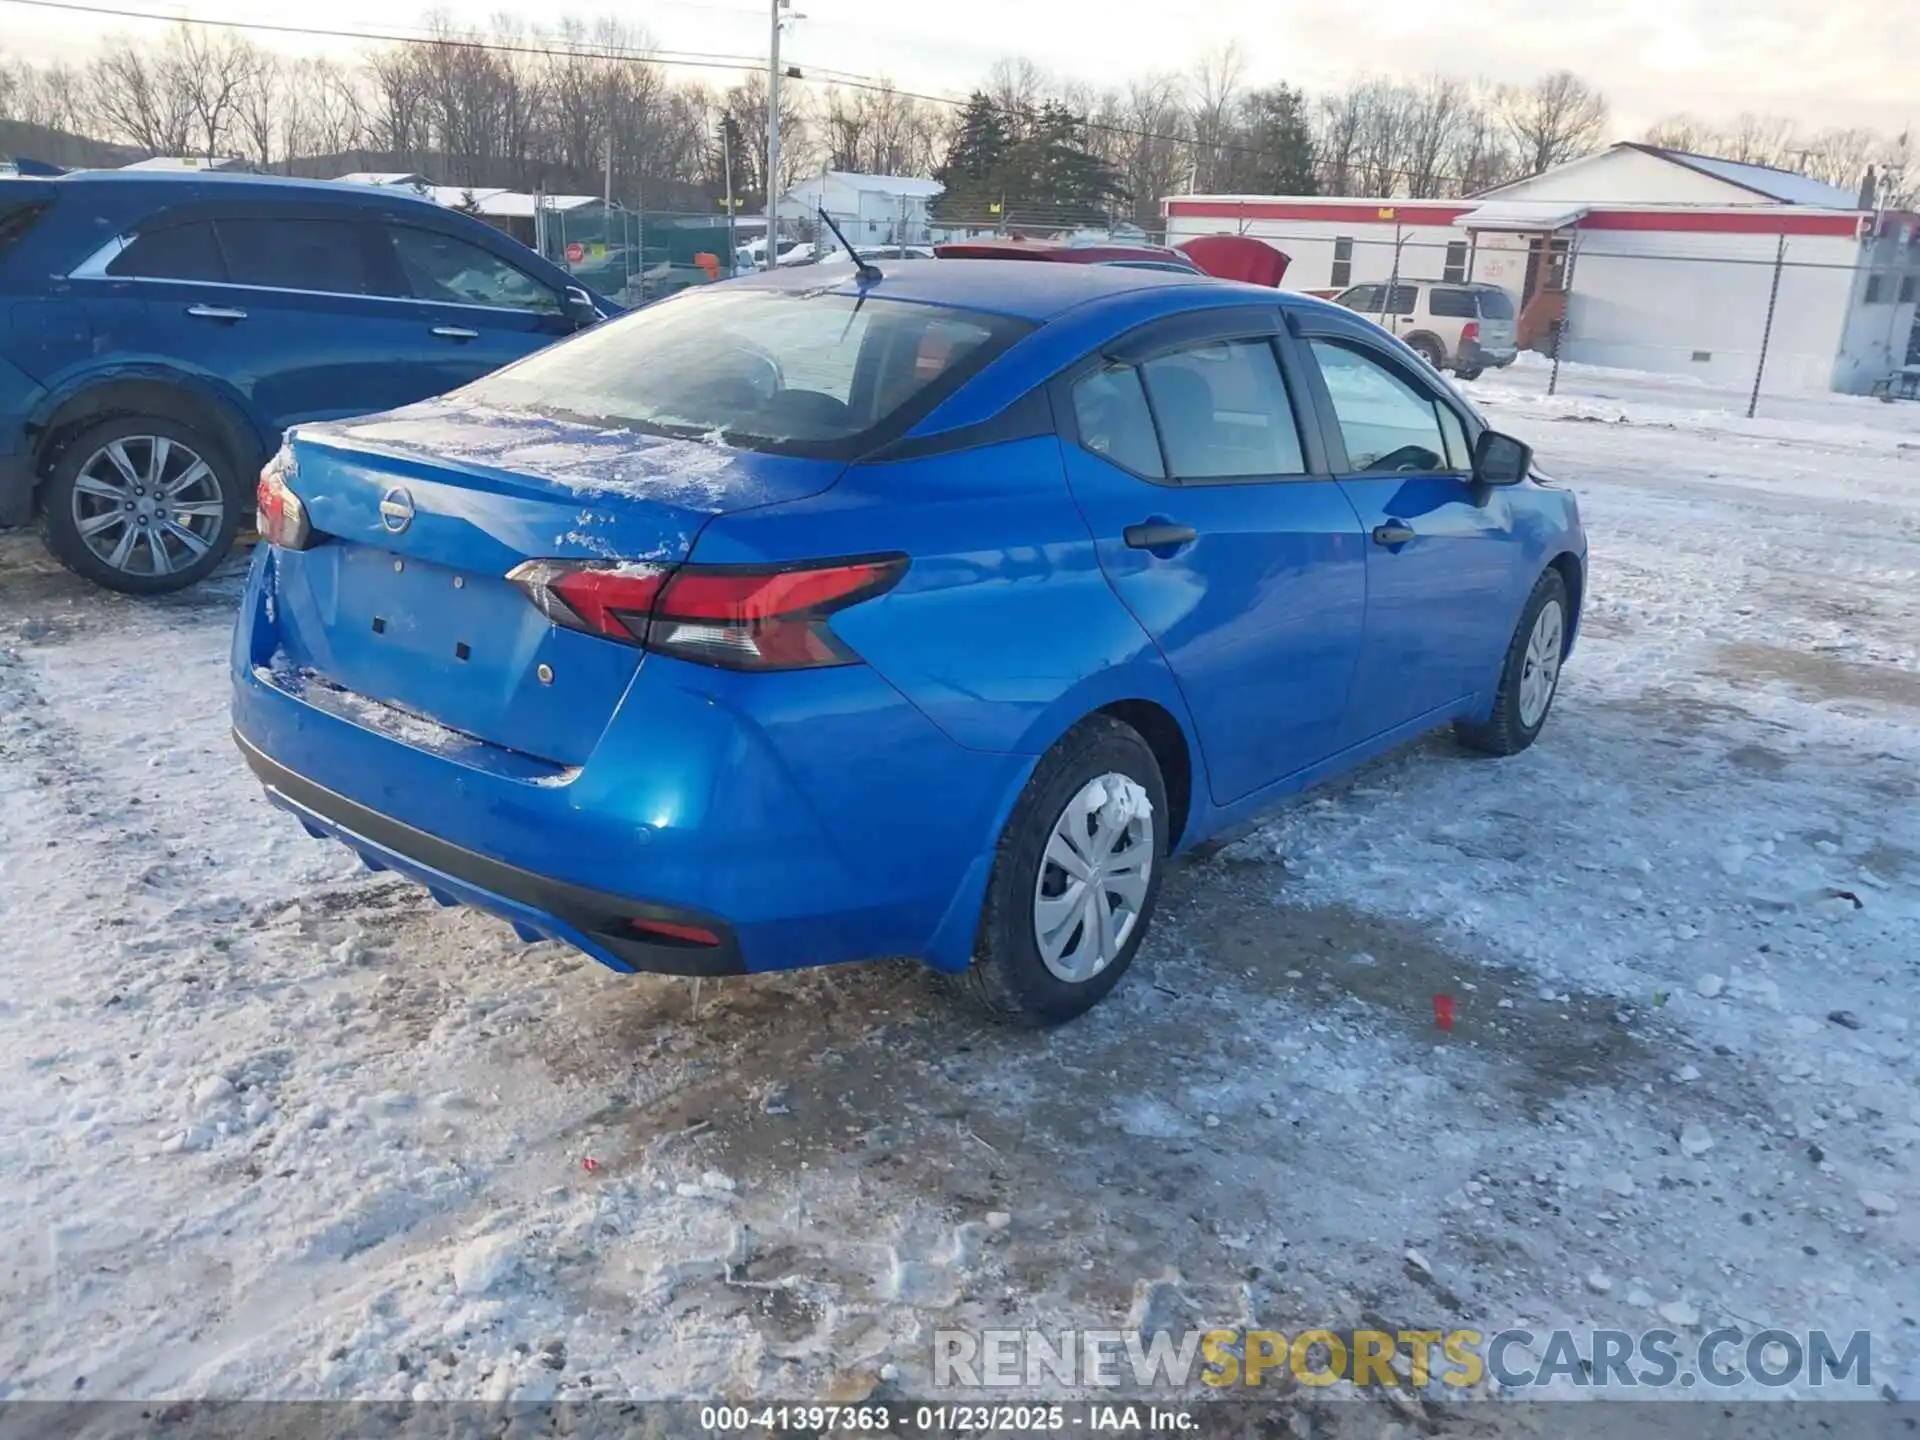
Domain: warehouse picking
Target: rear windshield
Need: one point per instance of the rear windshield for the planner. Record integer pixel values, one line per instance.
(1495, 305)
(806, 374)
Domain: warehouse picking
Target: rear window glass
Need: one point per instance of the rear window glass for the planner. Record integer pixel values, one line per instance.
(1111, 412)
(297, 254)
(807, 374)
(178, 252)
(1495, 305)
(1452, 304)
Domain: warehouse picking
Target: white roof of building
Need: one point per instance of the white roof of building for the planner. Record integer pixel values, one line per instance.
(907, 185)
(455, 196)
(188, 162)
(513, 203)
(1521, 215)
(1782, 185)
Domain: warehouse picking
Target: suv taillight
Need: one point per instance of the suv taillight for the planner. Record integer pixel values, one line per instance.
(1470, 331)
(280, 517)
(739, 617)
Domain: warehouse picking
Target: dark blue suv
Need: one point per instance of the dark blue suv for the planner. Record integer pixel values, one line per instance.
(161, 331)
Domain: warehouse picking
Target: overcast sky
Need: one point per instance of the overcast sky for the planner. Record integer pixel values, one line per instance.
(1843, 62)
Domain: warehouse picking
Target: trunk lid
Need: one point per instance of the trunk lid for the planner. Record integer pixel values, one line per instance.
(419, 515)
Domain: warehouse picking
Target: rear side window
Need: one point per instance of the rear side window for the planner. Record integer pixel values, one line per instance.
(176, 252)
(1223, 412)
(297, 253)
(1110, 411)
(15, 220)
(1451, 304)
(825, 375)
(1495, 305)
(458, 272)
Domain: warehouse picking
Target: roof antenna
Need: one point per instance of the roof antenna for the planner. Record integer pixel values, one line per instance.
(865, 269)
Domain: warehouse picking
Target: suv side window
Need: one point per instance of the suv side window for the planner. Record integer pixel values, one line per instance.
(297, 253)
(1401, 300)
(1362, 298)
(1110, 411)
(176, 252)
(1389, 423)
(1223, 412)
(453, 271)
(1451, 304)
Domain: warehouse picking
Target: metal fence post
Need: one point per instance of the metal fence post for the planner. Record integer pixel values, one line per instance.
(1566, 307)
(1766, 333)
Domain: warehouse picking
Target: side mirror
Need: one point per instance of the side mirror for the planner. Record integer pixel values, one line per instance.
(1500, 459)
(581, 309)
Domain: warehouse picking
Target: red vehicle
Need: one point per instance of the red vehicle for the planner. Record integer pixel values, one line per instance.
(1228, 257)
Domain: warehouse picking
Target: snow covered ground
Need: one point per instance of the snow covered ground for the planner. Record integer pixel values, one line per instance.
(272, 1126)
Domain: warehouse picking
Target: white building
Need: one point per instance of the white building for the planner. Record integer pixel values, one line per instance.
(871, 209)
(1673, 261)
(189, 163)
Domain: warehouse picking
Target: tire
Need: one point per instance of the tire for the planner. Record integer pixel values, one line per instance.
(1521, 706)
(1428, 349)
(169, 535)
(1012, 975)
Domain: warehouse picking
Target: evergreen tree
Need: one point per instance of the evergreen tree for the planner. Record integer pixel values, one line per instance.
(975, 165)
(1273, 141)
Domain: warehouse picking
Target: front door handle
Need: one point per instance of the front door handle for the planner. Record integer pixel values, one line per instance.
(455, 332)
(1394, 532)
(1158, 535)
(216, 312)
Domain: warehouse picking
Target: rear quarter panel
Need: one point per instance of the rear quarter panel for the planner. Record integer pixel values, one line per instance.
(1004, 631)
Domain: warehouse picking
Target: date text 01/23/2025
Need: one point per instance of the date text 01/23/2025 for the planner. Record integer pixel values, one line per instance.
(945, 1419)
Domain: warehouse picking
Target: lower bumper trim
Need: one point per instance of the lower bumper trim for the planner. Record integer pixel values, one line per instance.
(592, 920)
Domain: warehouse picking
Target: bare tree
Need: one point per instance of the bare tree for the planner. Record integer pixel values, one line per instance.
(1556, 119)
(134, 100)
(212, 70)
(1213, 92)
(1436, 110)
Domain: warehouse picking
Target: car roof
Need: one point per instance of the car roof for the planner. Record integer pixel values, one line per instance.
(1036, 290)
(229, 181)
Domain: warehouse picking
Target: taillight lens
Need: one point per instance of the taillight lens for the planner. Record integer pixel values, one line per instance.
(735, 616)
(1470, 330)
(279, 516)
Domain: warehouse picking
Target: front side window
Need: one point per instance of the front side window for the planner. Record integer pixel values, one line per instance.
(178, 252)
(296, 253)
(1389, 424)
(1223, 412)
(1110, 412)
(818, 374)
(458, 272)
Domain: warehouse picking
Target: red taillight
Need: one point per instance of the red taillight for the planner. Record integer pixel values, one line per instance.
(279, 516)
(737, 617)
(1470, 331)
(671, 930)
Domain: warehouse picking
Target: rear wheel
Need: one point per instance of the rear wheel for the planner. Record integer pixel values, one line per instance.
(1429, 350)
(1530, 675)
(141, 505)
(1074, 879)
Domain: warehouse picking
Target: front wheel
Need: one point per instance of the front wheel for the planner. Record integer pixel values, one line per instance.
(141, 505)
(1074, 879)
(1528, 677)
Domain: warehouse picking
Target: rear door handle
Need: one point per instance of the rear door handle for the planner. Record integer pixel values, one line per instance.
(455, 332)
(1158, 535)
(215, 312)
(1392, 533)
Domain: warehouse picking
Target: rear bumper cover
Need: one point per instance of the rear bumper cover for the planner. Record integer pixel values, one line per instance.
(589, 920)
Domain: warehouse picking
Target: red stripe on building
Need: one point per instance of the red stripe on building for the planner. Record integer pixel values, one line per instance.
(1372, 212)
(1770, 222)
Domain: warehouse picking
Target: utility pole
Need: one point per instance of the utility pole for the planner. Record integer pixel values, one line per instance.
(726, 164)
(773, 132)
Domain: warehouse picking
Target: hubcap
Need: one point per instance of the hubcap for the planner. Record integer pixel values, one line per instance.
(1540, 670)
(1093, 879)
(147, 505)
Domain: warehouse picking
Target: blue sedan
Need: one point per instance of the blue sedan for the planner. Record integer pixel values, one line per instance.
(920, 613)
